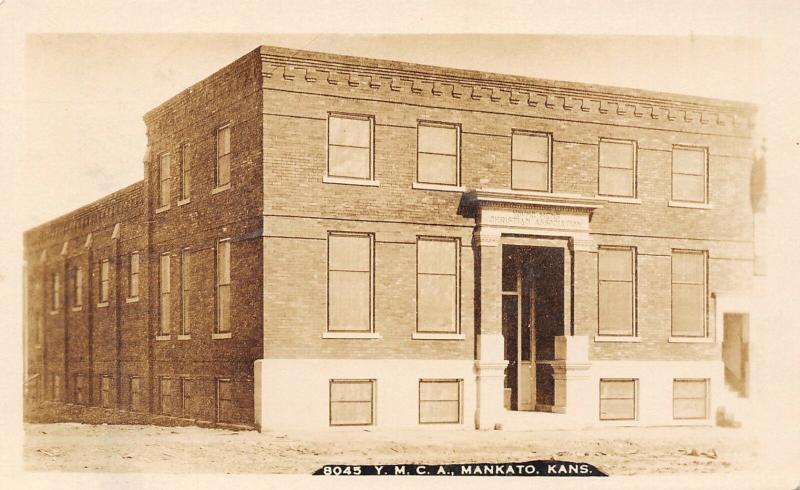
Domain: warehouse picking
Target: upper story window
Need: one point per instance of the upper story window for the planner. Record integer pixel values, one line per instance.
(163, 179)
(616, 291)
(689, 174)
(185, 291)
(133, 276)
(350, 144)
(350, 258)
(530, 161)
(438, 153)
(104, 281)
(223, 286)
(165, 289)
(77, 287)
(186, 165)
(437, 285)
(617, 168)
(223, 176)
(56, 291)
(688, 293)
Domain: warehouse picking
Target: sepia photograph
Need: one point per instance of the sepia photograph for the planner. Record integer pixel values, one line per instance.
(320, 255)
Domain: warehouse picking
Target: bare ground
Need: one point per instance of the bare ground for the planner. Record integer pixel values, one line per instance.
(153, 449)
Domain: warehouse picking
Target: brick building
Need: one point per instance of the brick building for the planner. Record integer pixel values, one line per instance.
(321, 240)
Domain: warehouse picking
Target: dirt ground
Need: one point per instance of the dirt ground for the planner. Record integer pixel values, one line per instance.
(152, 449)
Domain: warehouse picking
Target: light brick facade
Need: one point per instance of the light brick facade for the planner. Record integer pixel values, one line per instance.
(280, 207)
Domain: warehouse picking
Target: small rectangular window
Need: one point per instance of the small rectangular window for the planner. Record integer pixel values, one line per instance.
(440, 401)
(185, 292)
(616, 291)
(689, 174)
(617, 168)
(617, 399)
(438, 153)
(350, 146)
(349, 282)
(690, 398)
(352, 402)
(163, 179)
(224, 400)
(223, 286)
(133, 276)
(223, 156)
(186, 165)
(105, 284)
(437, 285)
(165, 291)
(164, 396)
(689, 293)
(530, 161)
(105, 391)
(135, 394)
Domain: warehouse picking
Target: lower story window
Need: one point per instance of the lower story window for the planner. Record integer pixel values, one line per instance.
(439, 401)
(164, 395)
(56, 393)
(618, 399)
(80, 389)
(135, 394)
(690, 398)
(105, 391)
(352, 401)
(224, 400)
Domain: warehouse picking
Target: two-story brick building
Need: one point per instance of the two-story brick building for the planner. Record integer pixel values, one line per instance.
(322, 240)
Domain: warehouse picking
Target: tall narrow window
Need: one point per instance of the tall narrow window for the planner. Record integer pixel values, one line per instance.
(690, 398)
(617, 399)
(80, 390)
(617, 168)
(616, 291)
(164, 395)
(689, 174)
(135, 394)
(133, 276)
(186, 397)
(77, 299)
(224, 400)
(105, 391)
(163, 180)
(530, 161)
(56, 291)
(349, 282)
(688, 293)
(223, 286)
(352, 402)
(186, 165)
(223, 156)
(165, 290)
(350, 146)
(185, 285)
(104, 281)
(437, 285)
(438, 153)
(57, 387)
(439, 401)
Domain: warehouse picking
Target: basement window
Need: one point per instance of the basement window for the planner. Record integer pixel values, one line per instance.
(618, 399)
(439, 401)
(352, 402)
(690, 399)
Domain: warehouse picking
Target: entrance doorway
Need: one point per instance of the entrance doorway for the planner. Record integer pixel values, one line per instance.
(533, 315)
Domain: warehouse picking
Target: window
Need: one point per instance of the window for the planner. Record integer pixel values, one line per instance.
(437, 285)
(223, 156)
(163, 180)
(104, 283)
(105, 391)
(349, 282)
(185, 282)
(530, 161)
(223, 286)
(164, 395)
(440, 401)
(133, 276)
(56, 291)
(186, 165)
(165, 305)
(617, 168)
(56, 387)
(350, 146)
(224, 400)
(616, 291)
(352, 402)
(689, 172)
(688, 293)
(80, 389)
(135, 394)
(690, 398)
(618, 399)
(438, 153)
(77, 299)
(185, 397)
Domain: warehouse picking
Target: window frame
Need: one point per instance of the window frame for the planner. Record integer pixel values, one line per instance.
(164, 290)
(440, 124)
(185, 286)
(706, 330)
(218, 285)
(105, 281)
(56, 290)
(373, 401)
(223, 127)
(162, 410)
(134, 404)
(706, 397)
(672, 174)
(371, 313)
(635, 398)
(185, 383)
(105, 392)
(634, 170)
(77, 287)
(133, 274)
(358, 117)
(185, 165)
(164, 198)
(528, 132)
(634, 290)
(460, 400)
(218, 398)
(457, 304)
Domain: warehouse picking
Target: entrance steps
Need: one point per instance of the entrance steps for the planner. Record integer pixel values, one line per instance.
(523, 420)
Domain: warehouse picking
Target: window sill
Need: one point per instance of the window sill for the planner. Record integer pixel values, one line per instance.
(221, 335)
(351, 335)
(690, 340)
(77, 308)
(613, 338)
(222, 188)
(619, 199)
(134, 299)
(329, 179)
(164, 337)
(184, 201)
(162, 209)
(103, 305)
(693, 205)
(437, 336)
(184, 337)
(438, 187)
